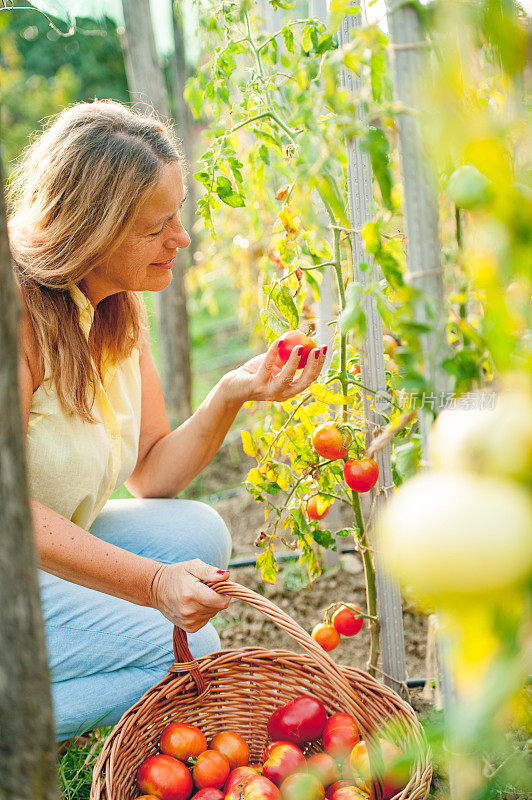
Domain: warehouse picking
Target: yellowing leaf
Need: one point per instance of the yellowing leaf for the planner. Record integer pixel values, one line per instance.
(255, 478)
(302, 415)
(327, 396)
(248, 444)
(283, 481)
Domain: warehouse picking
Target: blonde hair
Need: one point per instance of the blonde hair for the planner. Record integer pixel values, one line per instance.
(72, 198)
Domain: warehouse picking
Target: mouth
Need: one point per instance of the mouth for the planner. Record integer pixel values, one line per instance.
(165, 265)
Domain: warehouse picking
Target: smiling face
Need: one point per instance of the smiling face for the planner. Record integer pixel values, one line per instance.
(144, 260)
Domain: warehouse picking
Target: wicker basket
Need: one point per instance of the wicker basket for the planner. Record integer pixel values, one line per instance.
(239, 690)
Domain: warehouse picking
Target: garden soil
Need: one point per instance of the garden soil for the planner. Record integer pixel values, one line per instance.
(342, 580)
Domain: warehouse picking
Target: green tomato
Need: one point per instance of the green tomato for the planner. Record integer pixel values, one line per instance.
(450, 537)
(469, 188)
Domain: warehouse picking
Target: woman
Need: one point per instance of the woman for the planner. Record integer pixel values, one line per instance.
(94, 220)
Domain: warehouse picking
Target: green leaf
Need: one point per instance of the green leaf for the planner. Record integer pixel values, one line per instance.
(324, 538)
(269, 320)
(288, 37)
(377, 145)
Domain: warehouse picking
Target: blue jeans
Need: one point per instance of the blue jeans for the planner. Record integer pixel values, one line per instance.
(104, 652)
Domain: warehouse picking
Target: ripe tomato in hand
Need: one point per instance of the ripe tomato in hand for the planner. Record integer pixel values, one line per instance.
(313, 509)
(165, 777)
(347, 622)
(300, 786)
(233, 747)
(299, 721)
(326, 635)
(324, 768)
(340, 734)
(330, 442)
(292, 339)
(211, 769)
(182, 741)
(361, 474)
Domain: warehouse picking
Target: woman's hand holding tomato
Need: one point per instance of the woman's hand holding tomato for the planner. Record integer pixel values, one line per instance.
(270, 377)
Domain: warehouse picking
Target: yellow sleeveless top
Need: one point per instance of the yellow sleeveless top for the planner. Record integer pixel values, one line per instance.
(74, 466)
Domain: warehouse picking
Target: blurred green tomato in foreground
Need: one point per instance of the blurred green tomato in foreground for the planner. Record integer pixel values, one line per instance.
(491, 442)
(449, 537)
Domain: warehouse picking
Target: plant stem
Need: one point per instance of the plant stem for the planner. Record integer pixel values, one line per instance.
(371, 590)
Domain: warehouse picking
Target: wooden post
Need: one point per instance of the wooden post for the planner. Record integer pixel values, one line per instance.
(148, 90)
(27, 742)
(360, 187)
(424, 268)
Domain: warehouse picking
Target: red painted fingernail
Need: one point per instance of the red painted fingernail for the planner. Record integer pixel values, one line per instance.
(317, 354)
(324, 351)
(221, 571)
(299, 350)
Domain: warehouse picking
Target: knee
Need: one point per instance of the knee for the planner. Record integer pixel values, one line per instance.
(214, 541)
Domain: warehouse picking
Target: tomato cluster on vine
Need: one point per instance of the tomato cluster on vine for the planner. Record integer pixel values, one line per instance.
(347, 620)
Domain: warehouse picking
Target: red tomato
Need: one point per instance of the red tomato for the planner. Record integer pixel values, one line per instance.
(211, 769)
(336, 785)
(324, 768)
(282, 761)
(208, 794)
(361, 474)
(233, 747)
(239, 775)
(300, 786)
(329, 441)
(312, 508)
(340, 734)
(256, 787)
(292, 339)
(299, 721)
(165, 777)
(347, 622)
(395, 771)
(269, 749)
(182, 741)
(349, 793)
(147, 797)
(356, 369)
(326, 635)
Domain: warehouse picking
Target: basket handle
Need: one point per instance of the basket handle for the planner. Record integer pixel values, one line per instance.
(290, 626)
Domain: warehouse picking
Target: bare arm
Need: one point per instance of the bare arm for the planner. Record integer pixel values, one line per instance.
(72, 553)
(169, 460)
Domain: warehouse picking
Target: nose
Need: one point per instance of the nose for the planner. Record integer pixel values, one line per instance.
(177, 238)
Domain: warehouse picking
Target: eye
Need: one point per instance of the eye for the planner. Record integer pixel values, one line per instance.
(156, 233)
